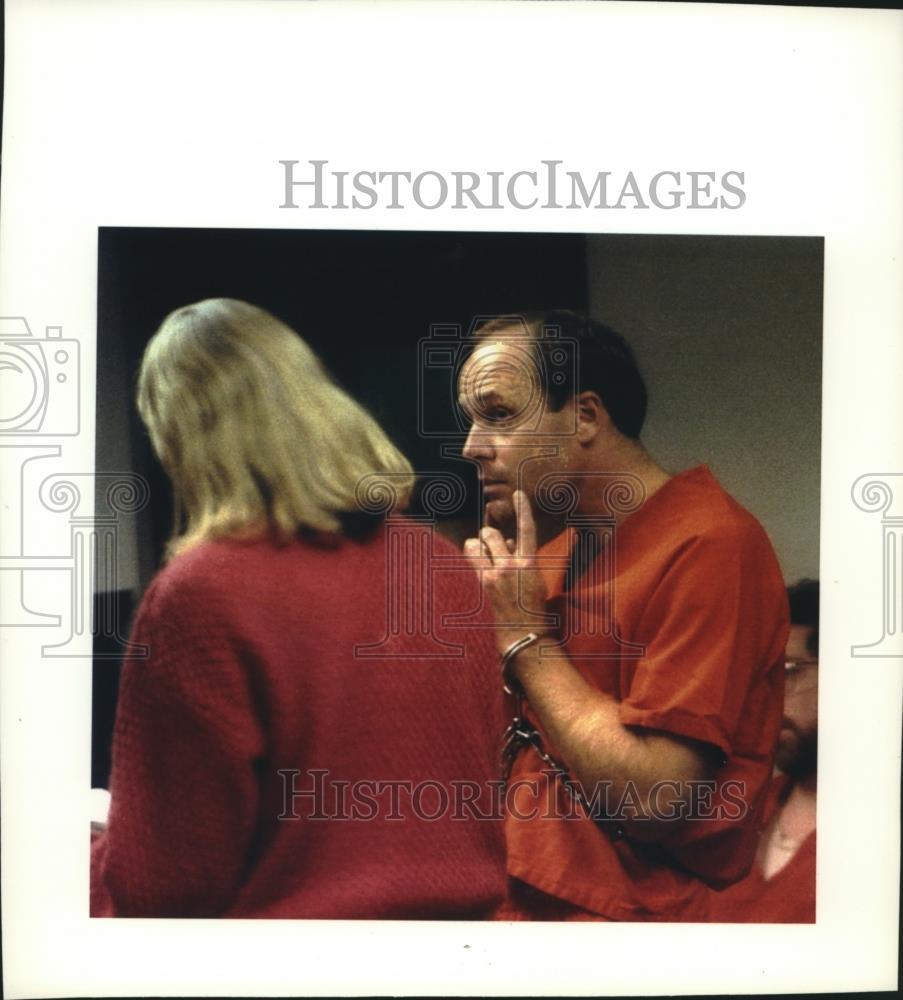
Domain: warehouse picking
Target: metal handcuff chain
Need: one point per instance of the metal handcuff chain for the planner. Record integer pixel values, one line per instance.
(521, 733)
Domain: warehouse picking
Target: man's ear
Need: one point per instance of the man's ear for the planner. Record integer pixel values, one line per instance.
(592, 417)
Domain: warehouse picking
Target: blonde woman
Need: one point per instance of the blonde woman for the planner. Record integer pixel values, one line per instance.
(263, 764)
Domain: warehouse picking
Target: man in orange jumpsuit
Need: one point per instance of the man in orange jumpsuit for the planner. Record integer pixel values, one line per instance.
(641, 619)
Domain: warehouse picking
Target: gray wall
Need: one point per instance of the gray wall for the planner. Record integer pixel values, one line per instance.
(727, 331)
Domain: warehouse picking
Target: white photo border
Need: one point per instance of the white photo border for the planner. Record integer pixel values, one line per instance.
(177, 114)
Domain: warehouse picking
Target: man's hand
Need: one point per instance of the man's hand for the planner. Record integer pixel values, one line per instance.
(581, 721)
(510, 578)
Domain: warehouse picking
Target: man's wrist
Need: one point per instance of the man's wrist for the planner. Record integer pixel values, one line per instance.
(526, 662)
(508, 657)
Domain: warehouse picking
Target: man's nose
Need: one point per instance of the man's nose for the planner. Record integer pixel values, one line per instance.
(478, 444)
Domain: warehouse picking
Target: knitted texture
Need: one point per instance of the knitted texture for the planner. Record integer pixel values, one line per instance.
(257, 686)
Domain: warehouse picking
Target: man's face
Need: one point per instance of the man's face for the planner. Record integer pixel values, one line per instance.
(514, 438)
(799, 731)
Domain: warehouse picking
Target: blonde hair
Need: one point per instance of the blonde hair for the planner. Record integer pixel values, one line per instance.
(251, 429)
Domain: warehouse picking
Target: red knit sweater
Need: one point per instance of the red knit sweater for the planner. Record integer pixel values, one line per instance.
(253, 683)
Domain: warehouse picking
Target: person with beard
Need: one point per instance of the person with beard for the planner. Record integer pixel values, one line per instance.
(781, 886)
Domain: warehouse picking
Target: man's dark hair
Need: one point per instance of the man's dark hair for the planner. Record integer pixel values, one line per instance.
(605, 363)
(804, 600)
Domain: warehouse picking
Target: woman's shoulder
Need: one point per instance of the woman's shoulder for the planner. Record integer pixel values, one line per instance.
(221, 566)
(203, 559)
(205, 569)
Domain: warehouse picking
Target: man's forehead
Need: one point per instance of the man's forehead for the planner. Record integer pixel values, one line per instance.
(497, 366)
(798, 642)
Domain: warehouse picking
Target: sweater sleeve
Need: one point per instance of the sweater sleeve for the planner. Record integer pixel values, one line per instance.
(186, 747)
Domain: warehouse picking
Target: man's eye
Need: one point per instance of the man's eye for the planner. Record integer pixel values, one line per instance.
(495, 414)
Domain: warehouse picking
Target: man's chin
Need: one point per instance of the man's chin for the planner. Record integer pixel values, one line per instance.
(797, 757)
(500, 514)
(787, 748)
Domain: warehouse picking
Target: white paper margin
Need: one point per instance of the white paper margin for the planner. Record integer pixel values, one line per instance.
(176, 114)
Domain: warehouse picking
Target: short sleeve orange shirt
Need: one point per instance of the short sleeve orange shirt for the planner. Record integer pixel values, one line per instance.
(683, 619)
